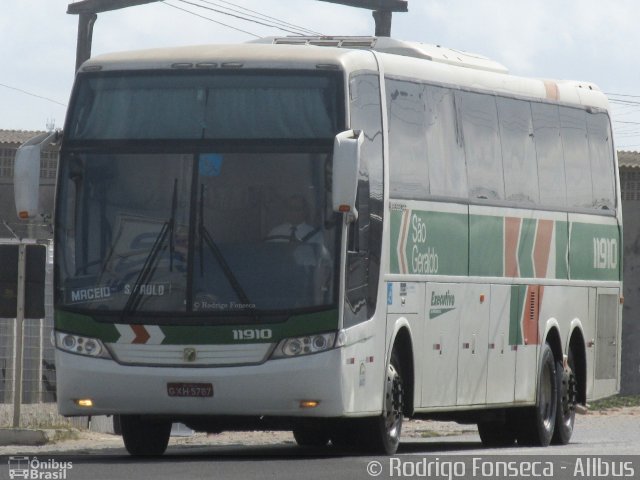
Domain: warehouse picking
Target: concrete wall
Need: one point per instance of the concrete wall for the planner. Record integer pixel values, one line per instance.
(631, 311)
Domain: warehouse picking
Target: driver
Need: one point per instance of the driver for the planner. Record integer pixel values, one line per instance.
(295, 228)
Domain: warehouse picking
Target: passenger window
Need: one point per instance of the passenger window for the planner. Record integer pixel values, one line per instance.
(482, 145)
(601, 157)
(546, 128)
(518, 151)
(573, 130)
(445, 150)
(409, 171)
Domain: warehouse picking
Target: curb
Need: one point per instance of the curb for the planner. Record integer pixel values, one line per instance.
(34, 437)
(22, 436)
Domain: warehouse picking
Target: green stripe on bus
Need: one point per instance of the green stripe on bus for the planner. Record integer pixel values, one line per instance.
(395, 221)
(296, 325)
(515, 314)
(562, 252)
(428, 243)
(594, 252)
(525, 247)
(486, 238)
(85, 325)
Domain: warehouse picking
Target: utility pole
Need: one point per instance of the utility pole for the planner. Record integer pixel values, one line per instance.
(87, 11)
(382, 10)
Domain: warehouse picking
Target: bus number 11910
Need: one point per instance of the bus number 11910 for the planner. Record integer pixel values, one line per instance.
(252, 334)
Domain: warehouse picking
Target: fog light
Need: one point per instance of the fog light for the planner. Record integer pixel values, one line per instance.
(309, 403)
(84, 402)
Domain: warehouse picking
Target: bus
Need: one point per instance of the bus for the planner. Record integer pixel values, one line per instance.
(458, 254)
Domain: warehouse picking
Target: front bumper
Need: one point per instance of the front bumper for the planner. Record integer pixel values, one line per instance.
(274, 388)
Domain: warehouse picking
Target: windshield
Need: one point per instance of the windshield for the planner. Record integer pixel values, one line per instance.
(227, 105)
(213, 233)
(200, 194)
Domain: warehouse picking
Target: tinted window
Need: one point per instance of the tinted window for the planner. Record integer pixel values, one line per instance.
(447, 169)
(209, 105)
(365, 241)
(409, 172)
(546, 127)
(601, 157)
(573, 130)
(518, 151)
(482, 145)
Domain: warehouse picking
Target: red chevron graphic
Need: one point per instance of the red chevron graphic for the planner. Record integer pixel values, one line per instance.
(141, 334)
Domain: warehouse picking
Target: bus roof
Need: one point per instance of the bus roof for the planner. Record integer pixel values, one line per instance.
(409, 60)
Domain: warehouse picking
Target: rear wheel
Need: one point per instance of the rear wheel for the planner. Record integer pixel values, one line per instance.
(567, 399)
(538, 423)
(143, 436)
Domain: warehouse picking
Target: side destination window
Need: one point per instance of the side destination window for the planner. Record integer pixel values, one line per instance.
(482, 145)
(445, 149)
(518, 151)
(365, 235)
(573, 131)
(409, 171)
(546, 128)
(601, 158)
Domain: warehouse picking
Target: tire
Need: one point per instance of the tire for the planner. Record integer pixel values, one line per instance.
(145, 437)
(538, 423)
(381, 434)
(567, 399)
(497, 433)
(307, 436)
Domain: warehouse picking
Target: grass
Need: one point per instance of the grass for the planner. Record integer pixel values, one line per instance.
(617, 401)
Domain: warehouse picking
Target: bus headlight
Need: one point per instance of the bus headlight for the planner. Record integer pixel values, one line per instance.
(80, 345)
(296, 346)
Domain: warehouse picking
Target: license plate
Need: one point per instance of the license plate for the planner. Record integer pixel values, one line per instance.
(190, 389)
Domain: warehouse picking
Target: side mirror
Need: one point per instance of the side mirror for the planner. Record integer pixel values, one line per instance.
(26, 175)
(346, 162)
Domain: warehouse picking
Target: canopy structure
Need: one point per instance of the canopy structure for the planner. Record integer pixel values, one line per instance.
(382, 11)
(87, 11)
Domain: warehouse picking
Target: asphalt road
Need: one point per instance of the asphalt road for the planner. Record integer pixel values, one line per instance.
(589, 455)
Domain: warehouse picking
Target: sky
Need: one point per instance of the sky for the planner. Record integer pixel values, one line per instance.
(590, 40)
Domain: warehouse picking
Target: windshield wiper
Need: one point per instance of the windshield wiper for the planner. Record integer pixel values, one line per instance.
(149, 266)
(217, 254)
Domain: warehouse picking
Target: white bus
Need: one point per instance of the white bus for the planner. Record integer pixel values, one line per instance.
(447, 244)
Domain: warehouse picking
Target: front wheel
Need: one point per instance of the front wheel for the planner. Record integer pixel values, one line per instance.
(383, 432)
(143, 436)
